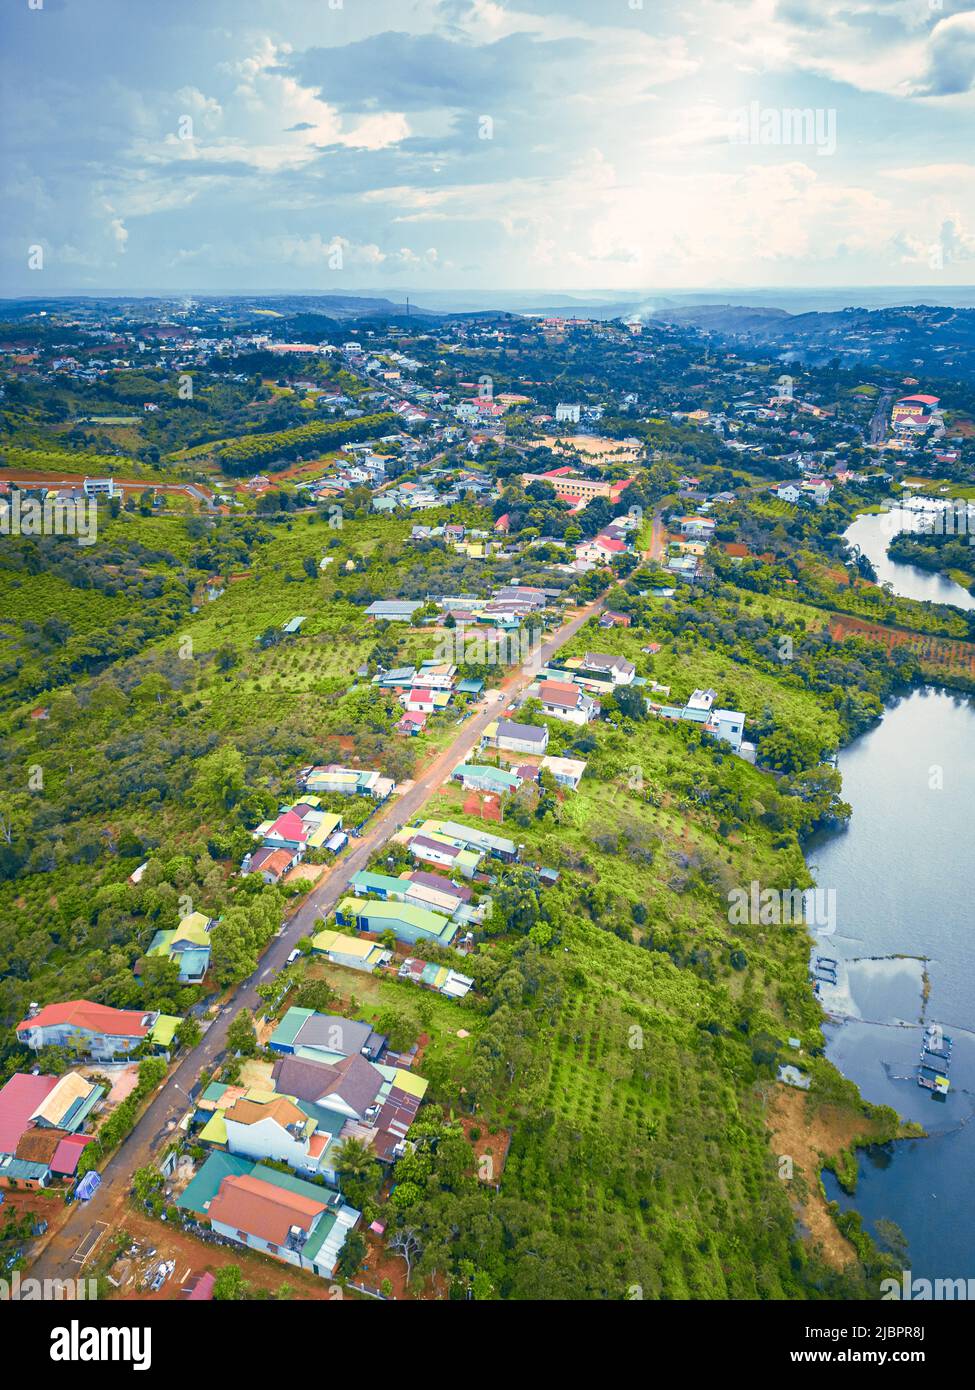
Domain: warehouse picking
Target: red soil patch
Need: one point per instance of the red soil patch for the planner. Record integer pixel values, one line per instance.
(944, 653)
(484, 805)
(194, 1257)
(380, 1263)
(490, 1150)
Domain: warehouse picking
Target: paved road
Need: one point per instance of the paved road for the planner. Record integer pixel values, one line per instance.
(880, 419)
(58, 1259)
(657, 551)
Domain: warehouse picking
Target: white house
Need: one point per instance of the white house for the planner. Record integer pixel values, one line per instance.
(275, 1129)
(566, 771)
(617, 668)
(568, 412)
(728, 725)
(702, 699)
(511, 737)
(564, 700)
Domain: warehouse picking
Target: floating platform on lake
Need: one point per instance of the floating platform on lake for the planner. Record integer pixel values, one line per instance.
(934, 1061)
(936, 1043)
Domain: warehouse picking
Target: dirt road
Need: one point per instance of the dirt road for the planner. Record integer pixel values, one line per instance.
(82, 1233)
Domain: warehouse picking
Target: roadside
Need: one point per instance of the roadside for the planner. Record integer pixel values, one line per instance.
(84, 1230)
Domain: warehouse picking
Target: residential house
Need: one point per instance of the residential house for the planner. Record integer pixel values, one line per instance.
(273, 1127)
(188, 945)
(472, 838)
(485, 778)
(566, 771)
(271, 864)
(411, 724)
(610, 618)
(615, 668)
(326, 1037)
(438, 977)
(699, 528)
(436, 849)
(297, 829)
(818, 489)
(601, 550)
(408, 922)
(356, 953)
(724, 724)
(727, 725)
(94, 1030)
(511, 737)
(349, 781)
(430, 891)
(299, 1222)
(419, 701)
(376, 1103)
(40, 1122)
(564, 700)
(420, 878)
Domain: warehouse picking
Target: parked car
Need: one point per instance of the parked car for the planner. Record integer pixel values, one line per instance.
(293, 957)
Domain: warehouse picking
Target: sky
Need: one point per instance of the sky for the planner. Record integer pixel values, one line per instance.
(333, 146)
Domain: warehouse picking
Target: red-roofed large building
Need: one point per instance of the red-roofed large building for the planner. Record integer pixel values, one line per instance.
(600, 549)
(913, 412)
(570, 484)
(97, 1030)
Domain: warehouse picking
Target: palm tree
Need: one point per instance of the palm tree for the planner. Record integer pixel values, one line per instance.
(354, 1158)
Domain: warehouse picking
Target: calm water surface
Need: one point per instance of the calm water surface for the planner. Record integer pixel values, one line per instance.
(902, 875)
(874, 533)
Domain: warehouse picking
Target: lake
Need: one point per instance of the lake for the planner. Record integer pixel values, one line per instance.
(904, 917)
(873, 534)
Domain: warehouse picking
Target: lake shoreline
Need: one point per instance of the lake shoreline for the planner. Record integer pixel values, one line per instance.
(903, 961)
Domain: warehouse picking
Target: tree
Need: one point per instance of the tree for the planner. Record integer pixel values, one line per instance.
(406, 1194)
(406, 1244)
(517, 903)
(353, 1158)
(188, 1033)
(146, 1181)
(229, 1285)
(353, 1253)
(241, 1037)
(630, 702)
(219, 780)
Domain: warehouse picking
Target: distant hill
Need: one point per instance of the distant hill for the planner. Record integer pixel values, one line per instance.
(723, 318)
(936, 340)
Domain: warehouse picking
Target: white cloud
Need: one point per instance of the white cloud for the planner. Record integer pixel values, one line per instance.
(120, 233)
